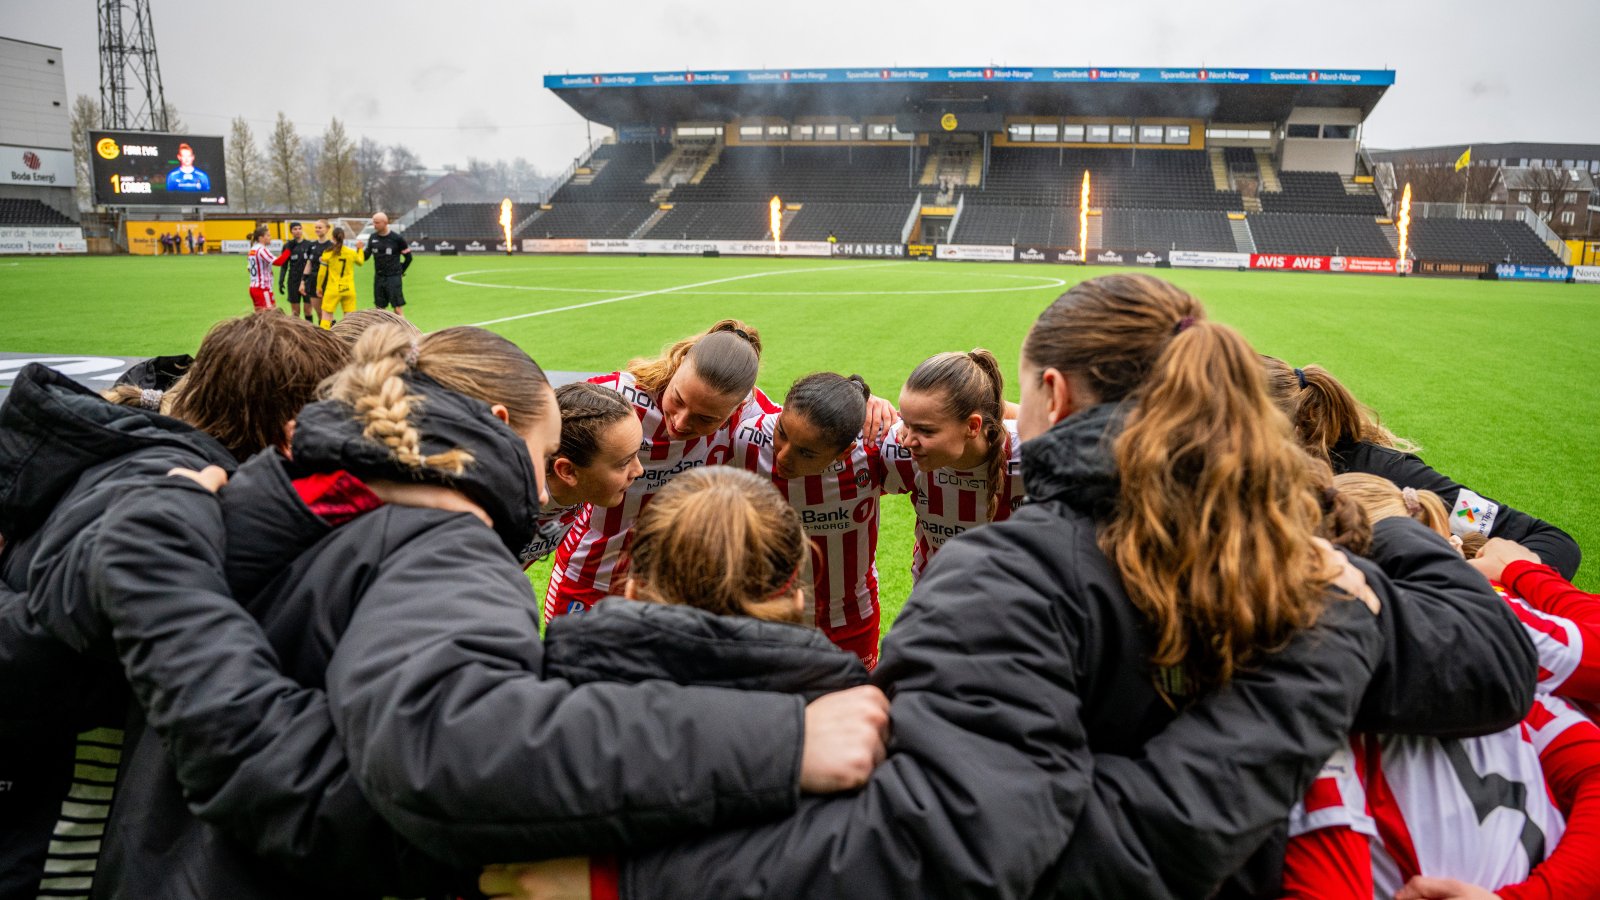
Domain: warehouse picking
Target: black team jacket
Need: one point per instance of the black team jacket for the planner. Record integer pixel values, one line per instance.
(411, 710)
(65, 456)
(1555, 547)
(1032, 755)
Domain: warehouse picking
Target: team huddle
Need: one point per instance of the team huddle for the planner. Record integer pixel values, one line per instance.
(319, 275)
(1187, 621)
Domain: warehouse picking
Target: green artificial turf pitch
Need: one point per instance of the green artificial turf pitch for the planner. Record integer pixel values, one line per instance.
(1496, 382)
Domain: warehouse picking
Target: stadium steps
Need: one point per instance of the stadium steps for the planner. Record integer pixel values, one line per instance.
(1392, 232)
(974, 170)
(930, 169)
(785, 221)
(644, 227)
(517, 228)
(1269, 175)
(1219, 170)
(1097, 230)
(706, 165)
(659, 174)
(1243, 240)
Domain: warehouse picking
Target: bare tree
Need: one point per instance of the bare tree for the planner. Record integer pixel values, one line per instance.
(311, 153)
(1480, 181)
(85, 118)
(370, 157)
(285, 165)
(1547, 189)
(402, 186)
(341, 184)
(1430, 182)
(245, 167)
(175, 123)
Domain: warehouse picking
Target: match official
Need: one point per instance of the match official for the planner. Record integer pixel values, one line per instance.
(393, 256)
(292, 277)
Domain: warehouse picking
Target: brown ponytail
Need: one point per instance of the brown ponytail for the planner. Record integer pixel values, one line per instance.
(727, 356)
(971, 383)
(723, 540)
(1217, 506)
(470, 361)
(338, 239)
(587, 410)
(1323, 411)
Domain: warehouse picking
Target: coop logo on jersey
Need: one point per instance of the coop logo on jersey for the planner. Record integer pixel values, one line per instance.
(1473, 513)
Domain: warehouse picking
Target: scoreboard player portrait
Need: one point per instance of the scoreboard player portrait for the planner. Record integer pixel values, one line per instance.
(186, 177)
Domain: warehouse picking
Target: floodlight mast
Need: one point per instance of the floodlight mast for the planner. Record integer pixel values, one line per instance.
(130, 69)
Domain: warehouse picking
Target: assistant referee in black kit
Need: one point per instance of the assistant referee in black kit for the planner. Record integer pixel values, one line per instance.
(393, 257)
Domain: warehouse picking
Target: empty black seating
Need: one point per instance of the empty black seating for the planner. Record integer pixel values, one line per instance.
(1319, 235)
(16, 211)
(874, 223)
(713, 222)
(467, 220)
(805, 174)
(1318, 192)
(620, 173)
(1477, 241)
(1146, 179)
(982, 223)
(589, 220)
(1152, 229)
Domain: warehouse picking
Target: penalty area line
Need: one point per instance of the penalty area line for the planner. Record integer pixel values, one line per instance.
(639, 295)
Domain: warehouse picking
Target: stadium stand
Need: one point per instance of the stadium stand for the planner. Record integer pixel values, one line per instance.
(1476, 241)
(1150, 229)
(1318, 192)
(983, 223)
(1329, 235)
(713, 222)
(467, 220)
(589, 220)
(617, 173)
(1153, 179)
(36, 213)
(805, 174)
(863, 222)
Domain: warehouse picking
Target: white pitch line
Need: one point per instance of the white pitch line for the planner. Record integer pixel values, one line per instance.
(642, 294)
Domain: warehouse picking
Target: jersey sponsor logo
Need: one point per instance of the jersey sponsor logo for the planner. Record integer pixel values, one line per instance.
(638, 397)
(957, 481)
(940, 530)
(1473, 513)
(754, 435)
(655, 478)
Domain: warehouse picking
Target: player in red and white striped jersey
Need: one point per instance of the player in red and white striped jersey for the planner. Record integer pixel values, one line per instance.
(260, 263)
(814, 454)
(688, 402)
(597, 462)
(953, 451)
(1483, 811)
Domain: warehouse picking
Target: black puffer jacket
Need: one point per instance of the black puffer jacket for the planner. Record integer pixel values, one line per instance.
(65, 455)
(418, 633)
(1555, 547)
(628, 641)
(1032, 755)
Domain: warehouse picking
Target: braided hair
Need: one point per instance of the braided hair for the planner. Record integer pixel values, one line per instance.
(587, 410)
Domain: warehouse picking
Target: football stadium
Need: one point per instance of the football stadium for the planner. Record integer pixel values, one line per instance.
(906, 232)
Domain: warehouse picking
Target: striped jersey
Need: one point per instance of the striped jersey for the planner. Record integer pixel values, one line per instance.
(549, 531)
(839, 511)
(1559, 643)
(949, 501)
(586, 567)
(260, 263)
(1478, 809)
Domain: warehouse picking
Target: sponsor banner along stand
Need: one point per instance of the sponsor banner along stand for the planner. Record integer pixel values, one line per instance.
(1206, 259)
(1586, 274)
(919, 251)
(1362, 265)
(22, 239)
(558, 245)
(478, 246)
(1467, 270)
(1128, 257)
(1507, 272)
(1028, 253)
(887, 251)
(1290, 263)
(985, 252)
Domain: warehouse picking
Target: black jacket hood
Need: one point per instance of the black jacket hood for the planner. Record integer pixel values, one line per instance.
(500, 479)
(53, 429)
(631, 641)
(1073, 462)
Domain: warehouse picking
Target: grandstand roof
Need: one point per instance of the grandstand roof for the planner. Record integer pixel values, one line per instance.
(1219, 95)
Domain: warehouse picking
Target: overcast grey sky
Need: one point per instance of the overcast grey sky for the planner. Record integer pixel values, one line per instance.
(462, 78)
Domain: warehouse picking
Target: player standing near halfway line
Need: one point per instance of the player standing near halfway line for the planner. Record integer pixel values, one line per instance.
(393, 257)
(260, 263)
(337, 283)
(291, 278)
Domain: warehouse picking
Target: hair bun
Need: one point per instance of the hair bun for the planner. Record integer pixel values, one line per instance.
(860, 382)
